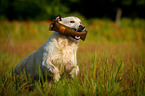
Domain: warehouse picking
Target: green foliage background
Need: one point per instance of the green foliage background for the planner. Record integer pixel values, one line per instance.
(32, 9)
(48, 9)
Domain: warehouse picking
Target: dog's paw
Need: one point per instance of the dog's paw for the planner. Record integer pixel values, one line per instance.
(74, 71)
(56, 75)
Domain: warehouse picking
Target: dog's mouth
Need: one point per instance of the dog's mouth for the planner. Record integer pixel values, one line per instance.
(78, 30)
(75, 37)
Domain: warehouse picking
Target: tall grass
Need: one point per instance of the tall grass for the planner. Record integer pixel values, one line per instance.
(111, 60)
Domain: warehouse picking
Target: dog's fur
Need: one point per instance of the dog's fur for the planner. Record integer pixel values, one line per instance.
(55, 58)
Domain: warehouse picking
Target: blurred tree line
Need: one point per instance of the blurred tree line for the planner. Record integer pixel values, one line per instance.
(48, 9)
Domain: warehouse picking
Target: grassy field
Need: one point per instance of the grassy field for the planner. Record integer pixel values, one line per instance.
(111, 59)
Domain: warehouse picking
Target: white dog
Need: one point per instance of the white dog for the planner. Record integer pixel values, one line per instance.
(56, 57)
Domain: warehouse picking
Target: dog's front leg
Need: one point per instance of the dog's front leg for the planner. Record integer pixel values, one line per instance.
(56, 75)
(51, 70)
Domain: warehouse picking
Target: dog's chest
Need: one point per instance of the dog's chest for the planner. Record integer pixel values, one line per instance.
(64, 55)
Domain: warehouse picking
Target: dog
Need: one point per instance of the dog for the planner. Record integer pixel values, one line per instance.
(56, 58)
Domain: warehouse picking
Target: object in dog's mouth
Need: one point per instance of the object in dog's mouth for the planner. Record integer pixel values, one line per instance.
(60, 28)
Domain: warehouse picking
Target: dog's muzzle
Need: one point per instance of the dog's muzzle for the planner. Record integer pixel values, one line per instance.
(80, 29)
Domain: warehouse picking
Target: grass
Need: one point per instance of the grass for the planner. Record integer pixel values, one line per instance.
(111, 60)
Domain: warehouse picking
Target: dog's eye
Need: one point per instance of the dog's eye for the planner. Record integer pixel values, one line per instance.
(72, 21)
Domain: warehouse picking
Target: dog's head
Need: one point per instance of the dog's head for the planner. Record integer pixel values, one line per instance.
(74, 23)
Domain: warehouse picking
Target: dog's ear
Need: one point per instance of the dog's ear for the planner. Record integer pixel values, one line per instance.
(60, 17)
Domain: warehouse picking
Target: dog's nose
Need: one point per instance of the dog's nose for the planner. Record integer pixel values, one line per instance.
(81, 27)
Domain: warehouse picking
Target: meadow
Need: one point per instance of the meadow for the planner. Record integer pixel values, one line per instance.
(111, 59)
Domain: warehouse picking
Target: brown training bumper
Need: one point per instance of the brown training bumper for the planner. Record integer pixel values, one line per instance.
(60, 28)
